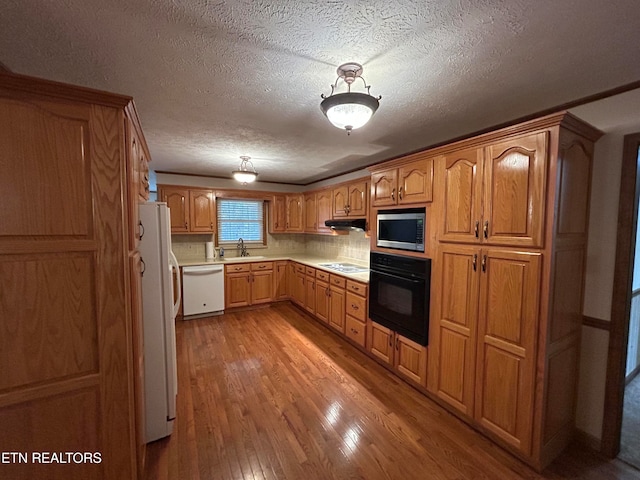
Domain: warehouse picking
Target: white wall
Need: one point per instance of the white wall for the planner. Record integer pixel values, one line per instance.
(605, 193)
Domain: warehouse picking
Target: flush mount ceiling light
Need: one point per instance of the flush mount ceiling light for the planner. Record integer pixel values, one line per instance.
(246, 173)
(349, 110)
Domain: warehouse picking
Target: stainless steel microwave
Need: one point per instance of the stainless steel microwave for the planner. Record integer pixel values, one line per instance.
(401, 229)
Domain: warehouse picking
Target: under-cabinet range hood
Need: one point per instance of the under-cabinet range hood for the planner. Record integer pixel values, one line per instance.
(353, 224)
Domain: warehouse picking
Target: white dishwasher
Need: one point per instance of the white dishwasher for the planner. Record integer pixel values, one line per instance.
(203, 290)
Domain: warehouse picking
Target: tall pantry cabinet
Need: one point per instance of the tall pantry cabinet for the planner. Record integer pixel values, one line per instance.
(509, 279)
(73, 165)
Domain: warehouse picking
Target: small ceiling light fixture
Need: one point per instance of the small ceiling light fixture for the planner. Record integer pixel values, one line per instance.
(349, 110)
(246, 173)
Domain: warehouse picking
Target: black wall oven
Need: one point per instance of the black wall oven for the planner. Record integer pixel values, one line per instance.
(399, 290)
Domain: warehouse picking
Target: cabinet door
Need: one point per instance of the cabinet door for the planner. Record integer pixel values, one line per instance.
(452, 331)
(357, 206)
(336, 309)
(135, 272)
(237, 289)
(514, 191)
(324, 210)
(507, 333)
(310, 296)
(295, 213)
(322, 301)
(340, 201)
(278, 222)
(291, 279)
(415, 182)
(310, 213)
(380, 342)
(261, 287)
(280, 280)
(410, 359)
(462, 195)
(177, 199)
(299, 291)
(383, 188)
(202, 211)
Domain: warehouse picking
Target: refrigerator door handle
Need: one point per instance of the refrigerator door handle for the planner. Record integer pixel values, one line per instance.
(173, 261)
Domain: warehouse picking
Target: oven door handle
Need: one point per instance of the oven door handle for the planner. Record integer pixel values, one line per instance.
(404, 279)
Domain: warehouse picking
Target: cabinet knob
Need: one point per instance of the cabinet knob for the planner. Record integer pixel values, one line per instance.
(476, 229)
(400, 193)
(355, 307)
(484, 263)
(393, 194)
(485, 229)
(475, 262)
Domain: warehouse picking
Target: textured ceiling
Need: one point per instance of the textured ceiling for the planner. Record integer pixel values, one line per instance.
(214, 80)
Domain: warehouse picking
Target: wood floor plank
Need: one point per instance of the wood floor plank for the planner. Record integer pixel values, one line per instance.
(270, 394)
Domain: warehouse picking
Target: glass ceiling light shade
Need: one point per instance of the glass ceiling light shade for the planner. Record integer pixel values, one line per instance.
(246, 173)
(349, 110)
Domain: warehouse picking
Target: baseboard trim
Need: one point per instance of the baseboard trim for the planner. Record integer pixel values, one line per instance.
(587, 440)
(634, 373)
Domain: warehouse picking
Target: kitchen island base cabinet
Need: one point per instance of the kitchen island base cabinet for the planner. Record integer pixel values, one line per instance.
(406, 357)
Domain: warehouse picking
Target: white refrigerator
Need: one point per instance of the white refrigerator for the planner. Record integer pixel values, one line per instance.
(158, 313)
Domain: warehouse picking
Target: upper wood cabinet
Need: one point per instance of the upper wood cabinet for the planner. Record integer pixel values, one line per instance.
(192, 210)
(310, 213)
(323, 209)
(496, 194)
(177, 199)
(202, 211)
(278, 215)
(295, 213)
(408, 183)
(350, 200)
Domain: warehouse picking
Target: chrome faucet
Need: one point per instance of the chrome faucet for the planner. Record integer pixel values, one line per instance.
(242, 248)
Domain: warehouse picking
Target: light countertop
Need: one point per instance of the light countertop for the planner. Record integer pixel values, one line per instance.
(309, 260)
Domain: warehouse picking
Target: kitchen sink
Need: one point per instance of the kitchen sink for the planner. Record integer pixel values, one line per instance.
(344, 267)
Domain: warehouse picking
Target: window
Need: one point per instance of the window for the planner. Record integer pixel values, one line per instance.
(240, 219)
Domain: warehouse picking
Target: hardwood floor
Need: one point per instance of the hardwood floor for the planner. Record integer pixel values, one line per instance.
(271, 394)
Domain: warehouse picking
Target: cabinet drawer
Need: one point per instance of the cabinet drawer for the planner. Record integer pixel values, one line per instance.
(261, 266)
(322, 275)
(338, 281)
(243, 267)
(357, 288)
(356, 306)
(310, 271)
(300, 268)
(355, 330)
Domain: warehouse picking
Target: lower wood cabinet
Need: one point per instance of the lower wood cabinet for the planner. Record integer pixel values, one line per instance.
(483, 338)
(248, 284)
(310, 290)
(280, 278)
(407, 357)
(337, 296)
(323, 301)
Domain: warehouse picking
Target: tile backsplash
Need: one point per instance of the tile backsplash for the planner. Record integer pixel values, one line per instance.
(354, 246)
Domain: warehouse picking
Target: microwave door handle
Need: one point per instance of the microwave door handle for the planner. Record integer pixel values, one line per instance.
(405, 279)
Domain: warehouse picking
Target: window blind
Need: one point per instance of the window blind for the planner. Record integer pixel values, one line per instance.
(240, 219)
